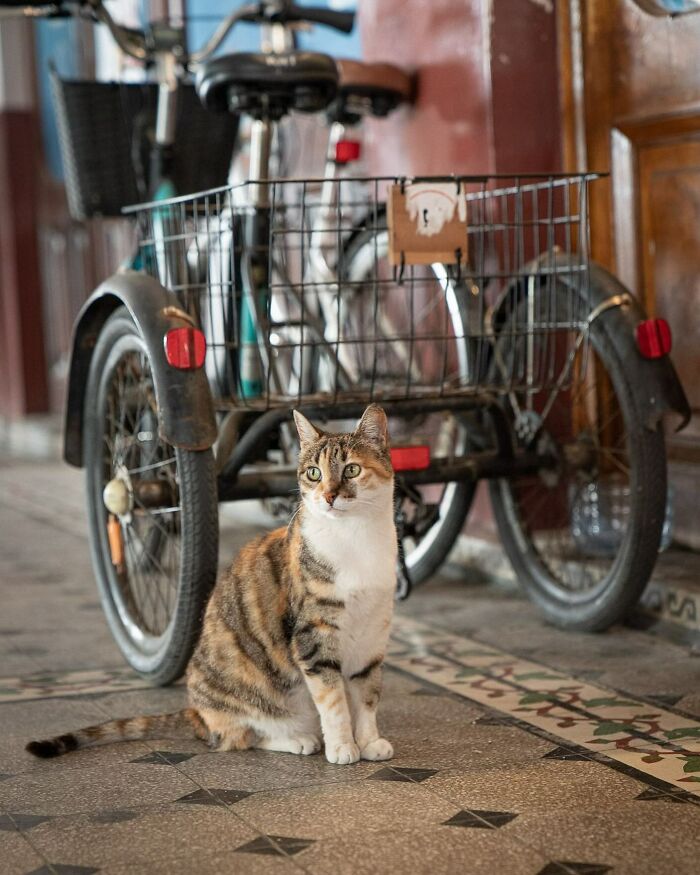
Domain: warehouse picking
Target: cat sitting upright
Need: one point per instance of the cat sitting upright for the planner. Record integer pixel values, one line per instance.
(294, 633)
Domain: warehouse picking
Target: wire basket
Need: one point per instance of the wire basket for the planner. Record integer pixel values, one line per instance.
(303, 300)
(104, 134)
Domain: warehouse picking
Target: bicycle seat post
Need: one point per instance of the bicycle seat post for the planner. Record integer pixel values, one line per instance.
(166, 44)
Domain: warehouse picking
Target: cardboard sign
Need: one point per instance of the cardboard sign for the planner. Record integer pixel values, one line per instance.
(427, 223)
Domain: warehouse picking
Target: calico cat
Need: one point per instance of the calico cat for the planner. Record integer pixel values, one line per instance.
(294, 633)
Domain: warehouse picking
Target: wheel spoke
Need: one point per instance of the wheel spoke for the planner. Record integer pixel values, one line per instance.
(150, 580)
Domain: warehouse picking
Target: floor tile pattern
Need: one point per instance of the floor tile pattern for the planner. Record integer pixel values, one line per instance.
(481, 819)
(275, 845)
(651, 740)
(71, 683)
(214, 796)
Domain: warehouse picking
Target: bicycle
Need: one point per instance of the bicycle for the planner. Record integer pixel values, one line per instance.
(553, 379)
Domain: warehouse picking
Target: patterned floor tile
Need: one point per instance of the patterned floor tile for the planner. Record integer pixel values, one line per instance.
(276, 846)
(632, 838)
(17, 856)
(93, 789)
(649, 739)
(214, 796)
(20, 822)
(563, 753)
(164, 758)
(265, 770)
(396, 773)
(567, 867)
(433, 851)
(116, 815)
(42, 685)
(211, 864)
(542, 786)
(326, 810)
(157, 833)
(63, 869)
(481, 819)
(388, 774)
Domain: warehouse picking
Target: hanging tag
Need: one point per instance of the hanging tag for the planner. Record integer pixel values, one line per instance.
(427, 223)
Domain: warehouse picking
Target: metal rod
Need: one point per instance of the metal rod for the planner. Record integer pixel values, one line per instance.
(272, 419)
(477, 466)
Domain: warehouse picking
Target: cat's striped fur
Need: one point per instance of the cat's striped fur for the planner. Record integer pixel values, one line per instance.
(294, 634)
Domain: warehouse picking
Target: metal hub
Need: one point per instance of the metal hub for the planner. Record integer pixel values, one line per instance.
(117, 497)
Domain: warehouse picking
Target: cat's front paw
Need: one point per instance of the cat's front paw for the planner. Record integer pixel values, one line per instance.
(379, 749)
(308, 744)
(342, 754)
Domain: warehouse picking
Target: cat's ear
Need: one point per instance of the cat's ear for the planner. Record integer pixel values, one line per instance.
(373, 426)
(307, 431)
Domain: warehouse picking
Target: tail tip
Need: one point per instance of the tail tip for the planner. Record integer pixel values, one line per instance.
(43, 749)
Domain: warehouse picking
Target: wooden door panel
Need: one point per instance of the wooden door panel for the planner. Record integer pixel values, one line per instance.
(632, 98)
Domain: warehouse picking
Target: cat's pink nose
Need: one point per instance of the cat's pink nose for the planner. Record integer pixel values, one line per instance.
(330, 497)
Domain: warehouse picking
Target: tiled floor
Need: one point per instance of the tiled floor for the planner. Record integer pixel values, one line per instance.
(519, 748)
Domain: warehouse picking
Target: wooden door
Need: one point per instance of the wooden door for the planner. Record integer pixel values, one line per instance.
(631, 95)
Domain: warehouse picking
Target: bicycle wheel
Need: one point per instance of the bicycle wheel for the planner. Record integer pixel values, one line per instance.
(583, 536)
(154, 534)
(434, 515)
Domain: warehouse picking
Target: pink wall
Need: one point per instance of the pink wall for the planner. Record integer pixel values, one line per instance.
(487, 97)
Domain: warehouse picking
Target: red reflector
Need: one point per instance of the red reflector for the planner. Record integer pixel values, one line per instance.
(346, 151)
(410, 458)
(654, 338)
(185, 348)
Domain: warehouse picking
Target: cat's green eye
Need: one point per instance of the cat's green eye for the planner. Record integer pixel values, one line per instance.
(351, 470)
(313, 473)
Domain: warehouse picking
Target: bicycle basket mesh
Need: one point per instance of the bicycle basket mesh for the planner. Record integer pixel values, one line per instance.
(299, 301)
(104, 134)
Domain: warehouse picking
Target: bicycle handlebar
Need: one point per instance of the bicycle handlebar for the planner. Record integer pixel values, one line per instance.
(133, 42)
(275, 12)
(343, 21)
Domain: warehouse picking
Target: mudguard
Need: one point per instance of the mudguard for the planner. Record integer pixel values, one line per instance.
(657, 388)
(185, 407)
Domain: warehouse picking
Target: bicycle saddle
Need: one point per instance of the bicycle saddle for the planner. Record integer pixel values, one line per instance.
(267, 86)
(374, 88)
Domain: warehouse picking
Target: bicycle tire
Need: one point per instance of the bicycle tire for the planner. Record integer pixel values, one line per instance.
(158, 655)
(458, 497)
(630, 569)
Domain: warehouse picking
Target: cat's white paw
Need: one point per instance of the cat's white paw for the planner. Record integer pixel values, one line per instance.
(298, 744)
(342, 754)
(308, 744)
(379, 749)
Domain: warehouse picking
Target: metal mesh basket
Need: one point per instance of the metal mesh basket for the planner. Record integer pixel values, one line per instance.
(300, 303)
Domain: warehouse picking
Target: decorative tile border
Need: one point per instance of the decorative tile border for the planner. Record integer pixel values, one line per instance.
(49, 685)
(651, 740)
(674, 604)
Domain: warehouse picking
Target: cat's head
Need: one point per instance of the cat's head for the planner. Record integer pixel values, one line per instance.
(344, 475)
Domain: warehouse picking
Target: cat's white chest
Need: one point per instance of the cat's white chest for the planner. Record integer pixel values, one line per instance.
(364, 560)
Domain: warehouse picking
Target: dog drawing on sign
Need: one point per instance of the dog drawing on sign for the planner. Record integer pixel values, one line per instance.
(431, 206)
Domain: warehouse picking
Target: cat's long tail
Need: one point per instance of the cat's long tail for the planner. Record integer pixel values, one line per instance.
(129, 729)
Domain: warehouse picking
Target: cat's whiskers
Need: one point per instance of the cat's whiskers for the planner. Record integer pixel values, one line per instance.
(293, 516)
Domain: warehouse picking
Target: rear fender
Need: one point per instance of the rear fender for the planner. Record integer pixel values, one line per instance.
(185, 407)
(655, 385)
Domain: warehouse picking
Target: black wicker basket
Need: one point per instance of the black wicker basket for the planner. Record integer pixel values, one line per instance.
(104, 130)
